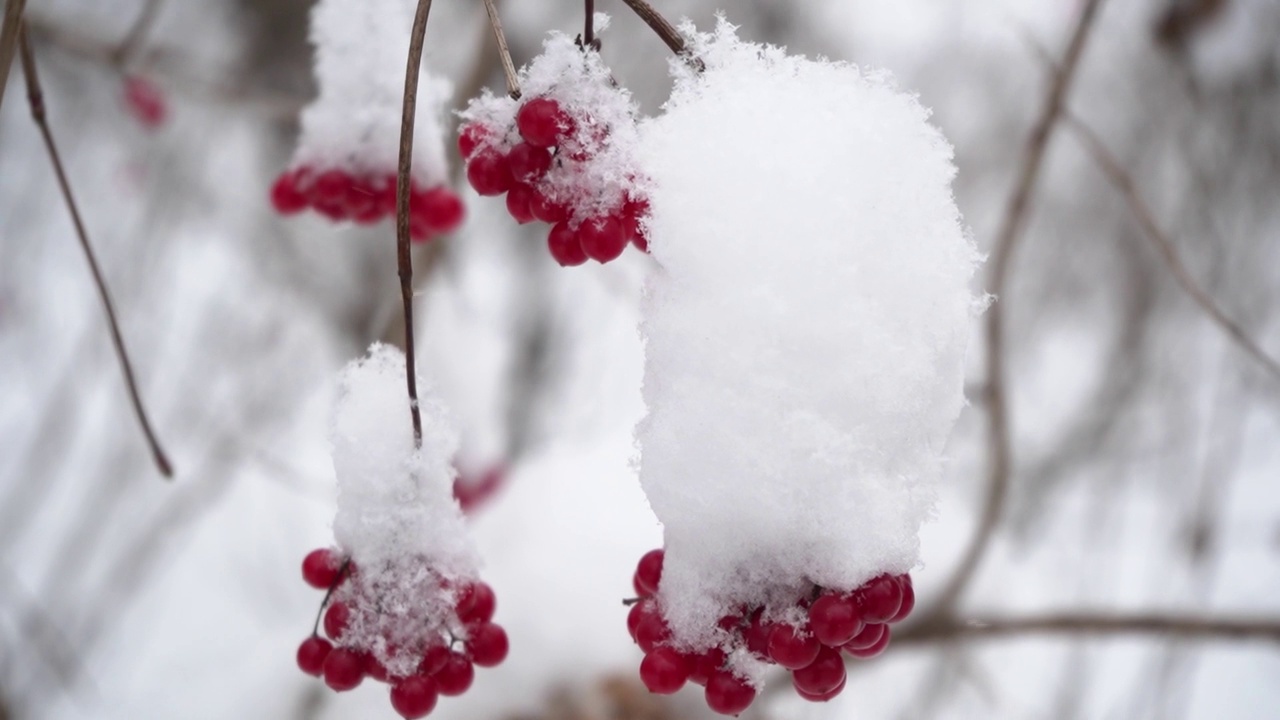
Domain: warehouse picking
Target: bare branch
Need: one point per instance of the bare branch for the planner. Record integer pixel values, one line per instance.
(662, 27)
(9, 40)
(504, 52)
(589, 24)
(1115, 172)
(35, 97)
(137, 34)
(1011, 230)
(1182, 626)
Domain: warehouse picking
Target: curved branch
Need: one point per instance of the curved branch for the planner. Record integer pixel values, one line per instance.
(1182, 626)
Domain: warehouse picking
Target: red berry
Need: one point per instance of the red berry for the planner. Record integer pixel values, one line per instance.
(312, 653)
(649, 571)
(543, 123)
(634, 615)
(632, 231)
(320, 568)
(793, 648)
(519, 201)
(336, 619)
(602, 239)
(455, 676)
(565, 247)
(487, 644)
(834, 619)
(145, 101)
(868, 637)
(374, 668)
(528, 163)
(476, 603)
(665, 670)
(869, 651)
(757, 635)
(489, 173)
(908, 599)
(878, 599)
(414, 697)
(821, 697)
(727, 694)
(330, 194)
(285, 196)
(547, 211)
(706, 665)
(343, 669)
(470, 137)
(651, 632)
(434, 659)
(822, 675)
(442, 209)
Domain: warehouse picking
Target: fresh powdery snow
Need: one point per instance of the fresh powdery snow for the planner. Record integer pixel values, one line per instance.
(397, 519)
(354, 122)
(805, 333)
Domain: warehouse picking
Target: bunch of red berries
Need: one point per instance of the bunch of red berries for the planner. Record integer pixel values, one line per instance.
(542, 164)
(367, 199)
(427, 651)
(833, 621)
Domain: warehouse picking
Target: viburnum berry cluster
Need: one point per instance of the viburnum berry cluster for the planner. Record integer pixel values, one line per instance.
(432, 649)
(807, 637)
(564, 154)
(366, 199)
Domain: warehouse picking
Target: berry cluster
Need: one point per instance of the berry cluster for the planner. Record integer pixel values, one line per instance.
(824, 623)
(534, 164)
(423, 654)
(366, 199)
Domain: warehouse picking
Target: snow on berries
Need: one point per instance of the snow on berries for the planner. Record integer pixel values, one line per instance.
(403, 604)
(805, 337)
(344, 167)
(565, 153)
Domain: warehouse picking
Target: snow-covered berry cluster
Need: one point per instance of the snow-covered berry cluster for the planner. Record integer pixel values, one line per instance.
(806, 637)
(429, 651)
(366, 199)
(344, 166)
(564, 155)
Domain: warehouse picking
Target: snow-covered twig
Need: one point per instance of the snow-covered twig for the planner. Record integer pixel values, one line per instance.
(663, 28)
(1115, 172)
(504, 52)
(35, 97)
(1183, 626)
(1015, 220)
(9, 40)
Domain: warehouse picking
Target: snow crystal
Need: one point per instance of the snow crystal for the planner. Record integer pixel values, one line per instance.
(605, 114)
(806, 333)
(354, 123)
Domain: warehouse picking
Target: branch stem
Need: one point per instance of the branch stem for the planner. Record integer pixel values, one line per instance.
(504, 52)
(589, 23)
(35, 97)
(9, 32)
(1183, 626)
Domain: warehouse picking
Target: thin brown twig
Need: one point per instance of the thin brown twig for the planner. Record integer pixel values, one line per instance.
(1183, 626)
(1115, 172)
(589, 24)
(504, 52)
(9, 40)
(404, 258)
(663, 29)
(1011, 231)
(35, 96)
(138, 32)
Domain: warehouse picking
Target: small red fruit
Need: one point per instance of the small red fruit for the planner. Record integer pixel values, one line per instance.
(519, 201)
(822, 697)
(728, 694)
(649, 571)
(455, 676)
(793, 648)
(822, 675)
(908, 599)
(336, 619)
(442, 210)
(528, 163)
(343, 669)
(543, 123)
(312, 653)
(875, 648)
(867, 637)
(320, 569)
(665, 670)
(834, 619)
(565, 246)
(487, 644)
(602, 239)
(414, 697)
(145, 101)
(489, 173)
(879, 599)
(470, 137)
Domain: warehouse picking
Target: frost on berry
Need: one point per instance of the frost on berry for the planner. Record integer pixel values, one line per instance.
(805, 348)
(405, 605)
(345, 163)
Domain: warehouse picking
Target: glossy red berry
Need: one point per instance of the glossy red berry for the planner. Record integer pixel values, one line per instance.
(519, 200)
(821, 697)
(320, 568)
(634, 615)
(470, 137)
(543, 123)
(728, 694)
(528, 163)
(706, 665)
(865, 651)
(756, 635)
(414, 697)
(866, 638)
(665, 670)
(489, 173)
(487, 644)
(312, 653)
(651, 632)
(649, 571)
(455, 676)
(908, 599)
(546, 210)
(343, 669)
(336, 619)
(793, 648)
(442, 210)
(602, 238)
(822, 675)
(434, 659)
(374, 668)
(834, 619)
(286, 198)
(476, 603)
(565, 246)
(879, 599)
